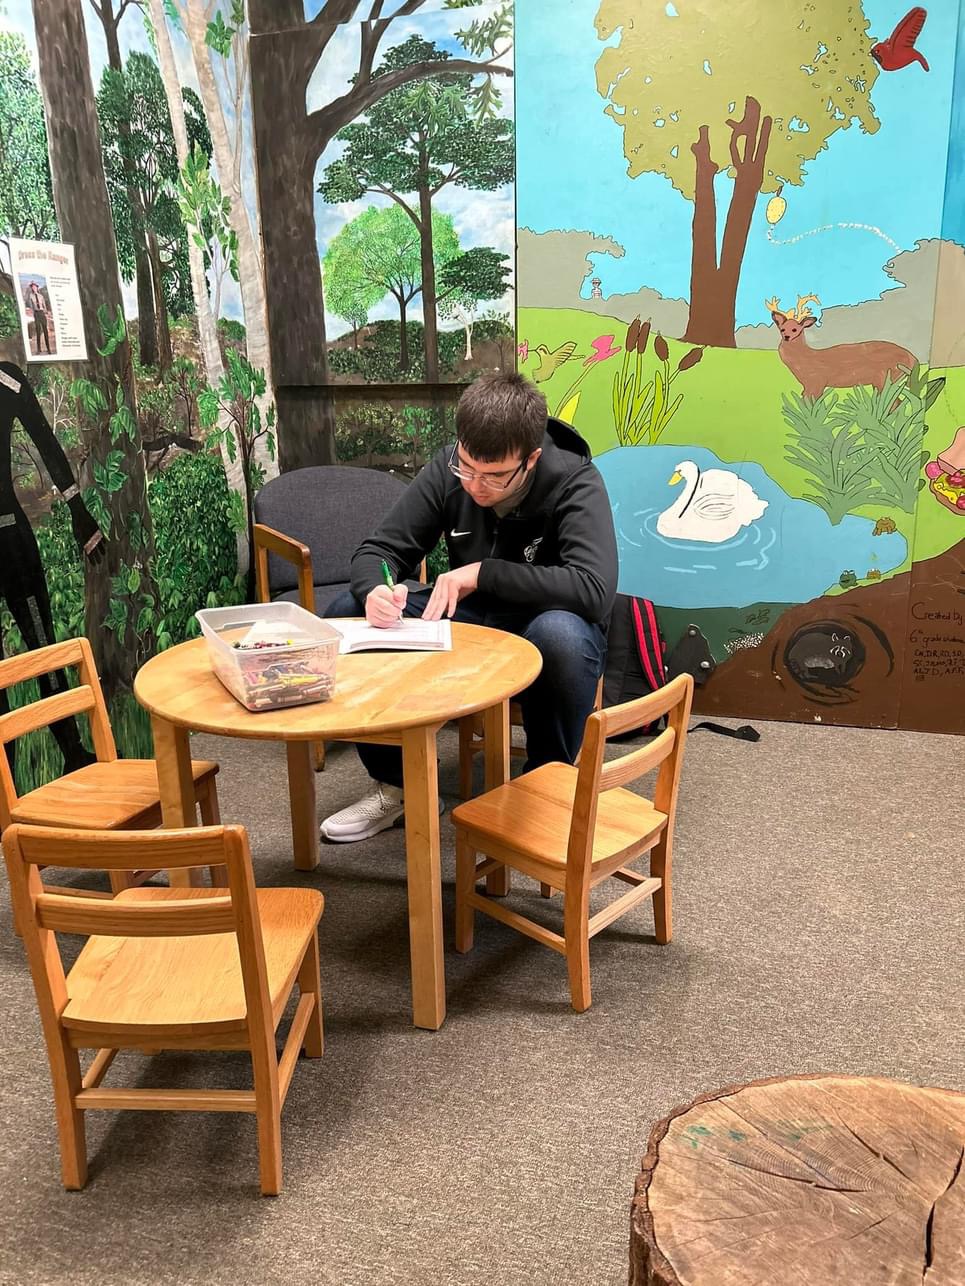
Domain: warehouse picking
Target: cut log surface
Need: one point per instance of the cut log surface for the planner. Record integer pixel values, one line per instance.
(804, 1181)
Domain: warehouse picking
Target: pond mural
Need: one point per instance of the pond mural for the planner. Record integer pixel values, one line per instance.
(741, 269)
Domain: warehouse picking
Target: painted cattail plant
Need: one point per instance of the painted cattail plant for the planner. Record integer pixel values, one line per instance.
(642, 407)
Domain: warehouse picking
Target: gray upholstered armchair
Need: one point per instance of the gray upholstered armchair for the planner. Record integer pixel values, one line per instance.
(308, 524)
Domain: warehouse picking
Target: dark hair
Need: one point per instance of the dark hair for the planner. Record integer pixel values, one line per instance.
(499, 415)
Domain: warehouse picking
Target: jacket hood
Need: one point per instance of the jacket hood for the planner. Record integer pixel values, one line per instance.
(564, 453)
(567, 439)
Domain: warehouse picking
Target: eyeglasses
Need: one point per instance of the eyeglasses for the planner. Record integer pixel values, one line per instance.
(492, 481)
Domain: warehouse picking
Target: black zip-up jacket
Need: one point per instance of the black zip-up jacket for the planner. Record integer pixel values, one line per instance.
(556, 551)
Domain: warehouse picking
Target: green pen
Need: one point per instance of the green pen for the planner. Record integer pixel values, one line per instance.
(386, 572)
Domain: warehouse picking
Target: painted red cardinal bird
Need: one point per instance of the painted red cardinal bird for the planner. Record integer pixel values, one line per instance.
(899, 49)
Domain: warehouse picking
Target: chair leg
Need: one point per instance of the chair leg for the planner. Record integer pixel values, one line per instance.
(67, 1082)
(660, 868)
(576, 931)
(211, 816)
(465, 881)
(268, 1114)
(466, 752)
(319, 752)
(309, 983)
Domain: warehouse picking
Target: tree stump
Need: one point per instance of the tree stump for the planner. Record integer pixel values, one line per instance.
(804, 1181)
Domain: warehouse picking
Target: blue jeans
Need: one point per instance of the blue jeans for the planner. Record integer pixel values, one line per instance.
(554, 707)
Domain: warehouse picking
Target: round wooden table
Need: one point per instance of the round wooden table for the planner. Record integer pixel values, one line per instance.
(816, 1180)
(394, 698)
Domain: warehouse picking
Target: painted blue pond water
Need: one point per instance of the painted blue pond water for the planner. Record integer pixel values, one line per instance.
(789, 555)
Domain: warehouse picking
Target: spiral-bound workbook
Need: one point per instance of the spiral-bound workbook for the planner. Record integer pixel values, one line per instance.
(410, 635)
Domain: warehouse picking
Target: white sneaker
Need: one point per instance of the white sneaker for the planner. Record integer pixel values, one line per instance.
(373, 813)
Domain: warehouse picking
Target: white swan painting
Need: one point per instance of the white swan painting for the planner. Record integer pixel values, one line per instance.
(713, 506)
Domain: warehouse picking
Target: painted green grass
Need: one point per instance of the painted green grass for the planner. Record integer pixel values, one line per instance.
(732, 405)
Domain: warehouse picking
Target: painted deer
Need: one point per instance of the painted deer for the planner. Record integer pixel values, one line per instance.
(841, 365)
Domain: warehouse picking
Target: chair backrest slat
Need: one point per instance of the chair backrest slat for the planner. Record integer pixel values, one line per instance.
(86, 698)
(186, 917)
(42, 713)
(666, 750)
(637, 763)
(30, 665)
(122, 850)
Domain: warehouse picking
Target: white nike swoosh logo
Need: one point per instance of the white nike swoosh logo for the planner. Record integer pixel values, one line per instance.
(460, 533)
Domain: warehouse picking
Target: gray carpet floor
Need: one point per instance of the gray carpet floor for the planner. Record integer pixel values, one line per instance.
(818, 927)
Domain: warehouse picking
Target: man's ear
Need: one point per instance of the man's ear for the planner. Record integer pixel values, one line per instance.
(533, 458)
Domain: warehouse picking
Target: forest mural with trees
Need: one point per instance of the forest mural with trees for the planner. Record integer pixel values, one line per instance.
(133, 129)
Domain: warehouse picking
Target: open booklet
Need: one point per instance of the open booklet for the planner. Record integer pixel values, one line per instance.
(410, 635)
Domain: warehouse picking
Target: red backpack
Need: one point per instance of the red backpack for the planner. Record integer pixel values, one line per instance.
(636, 665)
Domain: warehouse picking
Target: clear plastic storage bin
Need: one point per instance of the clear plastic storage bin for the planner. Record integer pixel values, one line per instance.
(297, 672)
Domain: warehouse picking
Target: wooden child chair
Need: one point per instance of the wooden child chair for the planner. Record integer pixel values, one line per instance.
(177, 968)
(570, 828)
(111, 794)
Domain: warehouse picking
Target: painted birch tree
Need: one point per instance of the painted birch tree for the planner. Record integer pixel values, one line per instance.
(147, 289)
(197, 197)
(217, 43)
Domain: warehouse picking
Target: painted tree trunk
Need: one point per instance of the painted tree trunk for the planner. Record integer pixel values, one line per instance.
(428, 281)
(403, 334)
(147, 341)
(713, 287)
(703, 320)
(286, 150)
(755, 132)
(207, 325)
(250, 267)
(84, 218)
(165, 354)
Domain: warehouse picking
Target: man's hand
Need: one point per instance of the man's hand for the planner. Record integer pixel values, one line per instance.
(449, 588)
(383, 606)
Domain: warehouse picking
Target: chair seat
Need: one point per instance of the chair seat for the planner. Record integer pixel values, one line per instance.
(532, 815)
(177, 983)
(102, 796)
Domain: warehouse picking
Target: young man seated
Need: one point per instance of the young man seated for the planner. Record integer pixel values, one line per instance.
(529, 530)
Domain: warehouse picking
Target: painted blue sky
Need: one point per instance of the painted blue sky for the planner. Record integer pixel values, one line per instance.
(572, 171)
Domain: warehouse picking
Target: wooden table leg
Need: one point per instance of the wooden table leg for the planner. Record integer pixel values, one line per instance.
(421, 787)
(172, 751)
(496, 756)
(301, 795)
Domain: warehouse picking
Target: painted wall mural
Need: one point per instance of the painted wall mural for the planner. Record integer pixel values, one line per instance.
(741, 271)
(251, 322)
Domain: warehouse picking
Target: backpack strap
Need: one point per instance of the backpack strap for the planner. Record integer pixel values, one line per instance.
(649, 643)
